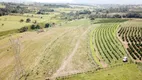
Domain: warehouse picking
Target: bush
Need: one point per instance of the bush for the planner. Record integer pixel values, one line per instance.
(21, 20)
(116, 16)
(38, 27)
(28, 20)
(47, 25)
(23, 29)
(33, 27)
(2, 24)
(35, 22)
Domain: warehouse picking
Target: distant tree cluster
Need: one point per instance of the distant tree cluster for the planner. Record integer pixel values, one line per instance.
(75, 15)
(57, 5)
(132, 15)
(13, 8)
(44, 11)
(4, 11)
(127, 15)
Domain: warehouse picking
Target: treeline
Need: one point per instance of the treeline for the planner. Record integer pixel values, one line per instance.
(44, 11)
(36, 27)
(75, 15)
(4, 11)
(13, 8)
(28, 28)
(127, 15)
(57, 5)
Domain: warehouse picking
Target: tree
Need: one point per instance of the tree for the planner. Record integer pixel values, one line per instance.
(92, 17)
(28, 20)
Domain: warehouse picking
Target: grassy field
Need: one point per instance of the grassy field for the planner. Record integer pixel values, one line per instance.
(124, 72)
(43, 54)
(13, 22)
(2, 6)
(74, 23)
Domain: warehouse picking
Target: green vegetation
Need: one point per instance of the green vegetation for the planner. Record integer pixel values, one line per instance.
(2, 6)
(107, 45)
(13, 22)
(40, 41)
(124, 72)
(109, 20)
(132, 35)
(76, 23)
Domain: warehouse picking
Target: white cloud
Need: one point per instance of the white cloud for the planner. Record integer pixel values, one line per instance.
(81, 1)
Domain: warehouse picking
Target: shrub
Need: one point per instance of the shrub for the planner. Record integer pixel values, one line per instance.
(33, 27)
(28, 20)
(23, 29)
(117, 16)
(35, 22)
(47, 25)
(2, 24)
(38, 27)
(21, 20)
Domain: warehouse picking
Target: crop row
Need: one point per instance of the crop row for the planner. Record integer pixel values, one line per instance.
(133, 37)
(107, 44)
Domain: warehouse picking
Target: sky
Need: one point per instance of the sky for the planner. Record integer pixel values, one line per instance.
(81, 1)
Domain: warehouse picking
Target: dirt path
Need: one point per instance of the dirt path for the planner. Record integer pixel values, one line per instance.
(68, 59)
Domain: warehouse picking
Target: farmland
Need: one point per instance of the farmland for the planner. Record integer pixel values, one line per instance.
(131, 35)
(106, 45)
(13, 22)
(124, 72)
(55, 46)
(40, 41)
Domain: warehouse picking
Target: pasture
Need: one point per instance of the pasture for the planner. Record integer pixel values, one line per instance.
(43, 55)
(124, 72)
(13, 22)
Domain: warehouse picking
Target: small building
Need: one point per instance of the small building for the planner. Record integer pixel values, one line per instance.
(125, 59)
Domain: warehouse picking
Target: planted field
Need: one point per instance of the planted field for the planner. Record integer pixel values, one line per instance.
(105, 46)
(131, 36)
